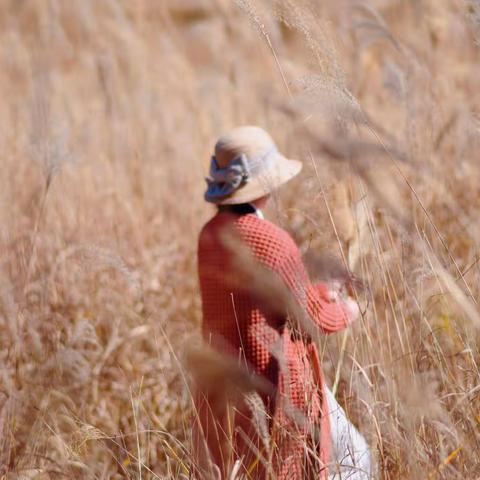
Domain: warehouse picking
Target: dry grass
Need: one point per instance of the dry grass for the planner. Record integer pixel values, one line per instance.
(109, 111)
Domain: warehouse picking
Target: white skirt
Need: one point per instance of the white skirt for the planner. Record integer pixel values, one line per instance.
(350, 454)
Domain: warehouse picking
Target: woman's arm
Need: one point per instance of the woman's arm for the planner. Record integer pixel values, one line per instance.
(323, 306)
(274, 249)
(328, 309)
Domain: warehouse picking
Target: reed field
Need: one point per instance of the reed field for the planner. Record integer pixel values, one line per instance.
(109, 113)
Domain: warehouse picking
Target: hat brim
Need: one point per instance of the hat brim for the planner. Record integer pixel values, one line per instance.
(281, 172)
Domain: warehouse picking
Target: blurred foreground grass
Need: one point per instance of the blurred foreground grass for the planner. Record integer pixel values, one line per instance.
(109, 112)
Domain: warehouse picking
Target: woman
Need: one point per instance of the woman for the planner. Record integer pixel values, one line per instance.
(259, 307)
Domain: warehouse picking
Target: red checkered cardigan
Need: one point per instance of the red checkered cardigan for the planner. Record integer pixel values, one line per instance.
(236, 320)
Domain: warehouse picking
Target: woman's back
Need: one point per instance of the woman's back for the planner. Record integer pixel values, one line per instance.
(234, 250)
(239, 256)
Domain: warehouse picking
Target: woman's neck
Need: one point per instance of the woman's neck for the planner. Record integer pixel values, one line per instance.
(241, 209)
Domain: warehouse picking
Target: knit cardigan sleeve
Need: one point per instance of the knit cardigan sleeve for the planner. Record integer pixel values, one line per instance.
(329, 315)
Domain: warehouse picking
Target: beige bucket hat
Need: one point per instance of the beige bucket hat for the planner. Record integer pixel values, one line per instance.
(246, 166)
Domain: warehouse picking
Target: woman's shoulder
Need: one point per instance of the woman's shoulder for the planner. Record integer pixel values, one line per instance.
(253, 229)
(264, 233)
(212, 227)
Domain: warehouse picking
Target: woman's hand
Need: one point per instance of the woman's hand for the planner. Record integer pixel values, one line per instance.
(337, 295)
(352, 308)
(334, 291)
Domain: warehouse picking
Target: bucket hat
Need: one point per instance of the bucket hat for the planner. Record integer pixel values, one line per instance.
(247, 165)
